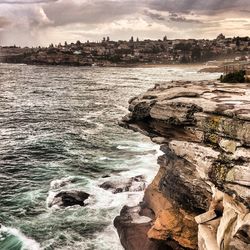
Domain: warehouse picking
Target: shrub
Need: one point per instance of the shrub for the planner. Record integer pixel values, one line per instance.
(235, 77)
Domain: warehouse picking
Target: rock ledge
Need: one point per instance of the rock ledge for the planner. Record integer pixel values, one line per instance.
(200, 198)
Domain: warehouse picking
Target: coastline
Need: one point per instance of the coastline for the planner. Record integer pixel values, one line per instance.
(76, 145)
(189, 204)
(170, 65)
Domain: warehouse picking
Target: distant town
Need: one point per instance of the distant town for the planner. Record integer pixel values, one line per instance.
(132, 52)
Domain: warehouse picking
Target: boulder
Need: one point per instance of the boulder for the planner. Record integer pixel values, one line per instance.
(132, 226)
(133, 184)
(57, 184)
(69, 198)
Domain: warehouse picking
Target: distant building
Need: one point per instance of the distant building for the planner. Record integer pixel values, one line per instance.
(77, 52)
(134, 51)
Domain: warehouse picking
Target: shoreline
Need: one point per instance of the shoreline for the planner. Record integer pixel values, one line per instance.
(195, 192)
(113, 65)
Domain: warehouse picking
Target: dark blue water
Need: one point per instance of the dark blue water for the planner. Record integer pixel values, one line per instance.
(60, 123)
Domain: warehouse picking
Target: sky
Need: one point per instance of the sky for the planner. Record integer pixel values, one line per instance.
(41, 22)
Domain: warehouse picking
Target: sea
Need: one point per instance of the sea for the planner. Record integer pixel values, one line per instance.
(59, 131)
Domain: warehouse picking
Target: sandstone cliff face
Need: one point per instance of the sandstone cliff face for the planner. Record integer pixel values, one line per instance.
(200, 198)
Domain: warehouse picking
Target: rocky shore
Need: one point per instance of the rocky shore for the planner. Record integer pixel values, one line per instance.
(200, 198)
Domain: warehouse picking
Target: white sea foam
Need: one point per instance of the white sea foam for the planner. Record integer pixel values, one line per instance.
(64, 184)
(56, 184)
(27, 243)
(108, 239)
(55, 187)
(104, 199)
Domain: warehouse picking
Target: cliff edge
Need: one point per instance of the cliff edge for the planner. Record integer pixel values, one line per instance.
(200, 198)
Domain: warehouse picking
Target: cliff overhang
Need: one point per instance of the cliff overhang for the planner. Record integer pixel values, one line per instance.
(200, 197)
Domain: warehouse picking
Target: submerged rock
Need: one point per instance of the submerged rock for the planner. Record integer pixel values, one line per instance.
(69, 198)
(134, 184)
(201, 194)
(56, 184)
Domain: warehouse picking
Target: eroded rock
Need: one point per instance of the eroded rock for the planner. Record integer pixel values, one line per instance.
(133, 184)
(133, 235)
(69, 198)
(204, 128)
(132, 225)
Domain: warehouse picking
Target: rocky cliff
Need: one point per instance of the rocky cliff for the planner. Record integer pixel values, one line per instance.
(200, 198)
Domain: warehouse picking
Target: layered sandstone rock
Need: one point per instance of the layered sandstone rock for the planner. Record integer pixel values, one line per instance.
(133, 184)
(200, 197)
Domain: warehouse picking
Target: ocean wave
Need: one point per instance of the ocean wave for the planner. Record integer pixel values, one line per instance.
(12, 238)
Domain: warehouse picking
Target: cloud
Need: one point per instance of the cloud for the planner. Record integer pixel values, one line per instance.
(89, 12)
(208, 7)
(154, 16)
(25, 22)
(246, 11)
(181, 19)
(34, 22)
(4, 22)
(26, 1)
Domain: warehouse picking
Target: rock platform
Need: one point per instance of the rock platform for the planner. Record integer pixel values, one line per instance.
(200, 198)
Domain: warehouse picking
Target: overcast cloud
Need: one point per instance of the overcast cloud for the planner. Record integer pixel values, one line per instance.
(40, 22)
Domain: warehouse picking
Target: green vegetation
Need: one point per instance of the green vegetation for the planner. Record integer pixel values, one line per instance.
(235, 77)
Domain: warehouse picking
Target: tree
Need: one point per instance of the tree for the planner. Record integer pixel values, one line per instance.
(184, 59)
(183, 46)
(196, 53)
(237, 41)
(115, 58)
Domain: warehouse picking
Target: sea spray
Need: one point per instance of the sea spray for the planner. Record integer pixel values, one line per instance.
(13, 239)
